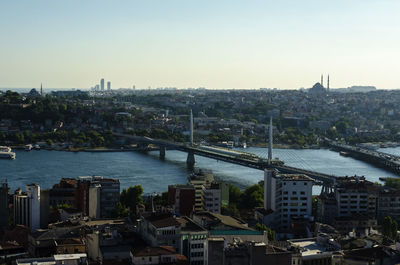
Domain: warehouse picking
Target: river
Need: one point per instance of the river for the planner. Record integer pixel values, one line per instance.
(131, 168)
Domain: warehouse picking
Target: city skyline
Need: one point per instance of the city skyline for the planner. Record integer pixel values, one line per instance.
(222, 45)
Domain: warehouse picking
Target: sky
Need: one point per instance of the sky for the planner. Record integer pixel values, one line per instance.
(221, 44)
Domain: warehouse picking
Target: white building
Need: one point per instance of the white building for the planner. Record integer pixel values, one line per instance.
(94, 201)
(27, 207)
(287, 195)
(212, 198)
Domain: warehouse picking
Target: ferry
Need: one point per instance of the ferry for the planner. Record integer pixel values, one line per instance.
(7, 155)
(5, 149)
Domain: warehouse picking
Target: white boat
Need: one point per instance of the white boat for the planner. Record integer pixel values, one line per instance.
(28, 147)
(36, 147)
(7, 155)
(5, 149)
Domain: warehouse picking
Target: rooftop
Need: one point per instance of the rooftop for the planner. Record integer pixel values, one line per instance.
(153, 251)
(295, 177)
(161, 220)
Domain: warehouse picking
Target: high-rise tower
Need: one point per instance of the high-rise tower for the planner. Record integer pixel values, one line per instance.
(102, 84)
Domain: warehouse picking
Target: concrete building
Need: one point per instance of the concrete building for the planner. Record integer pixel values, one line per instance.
(27, 207)
(181, 233)
(182, 199)
(108, 86)
(156, 255)
(3, 206)
(356, 195)
(44, 208)
(212, 198)
(95, 201)
(389, 204)
(109, 194)
(318, 250)
(326, 208)
(255, 253)
(287, 195)
(70, 259)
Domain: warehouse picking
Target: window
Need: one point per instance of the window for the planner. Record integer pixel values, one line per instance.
(293, 192)
(305, 183)
(294, 183)
(302, 193)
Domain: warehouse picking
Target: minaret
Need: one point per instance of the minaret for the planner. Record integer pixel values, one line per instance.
(327, 88)
(322, 80)
(270, 141)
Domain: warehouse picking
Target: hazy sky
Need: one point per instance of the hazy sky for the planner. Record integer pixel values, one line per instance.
(188, 43)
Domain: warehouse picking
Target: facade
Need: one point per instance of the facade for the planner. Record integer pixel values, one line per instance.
(182, 198)
(212, 198)
(255, 253)
(287, 195)
(3, 206)
(95, 201)
(389, 204)
(27, 207)
(64, 192)
(109, 194)
(181, 233)
(355, 195)
(326, 208)
(362, 224)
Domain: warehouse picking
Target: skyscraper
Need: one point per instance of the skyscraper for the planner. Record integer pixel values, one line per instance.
(108, 85)
(102, 84)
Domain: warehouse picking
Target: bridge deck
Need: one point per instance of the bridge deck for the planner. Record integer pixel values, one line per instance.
(239, 158)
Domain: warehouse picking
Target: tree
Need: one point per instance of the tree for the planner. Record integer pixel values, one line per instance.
(234, 194)
(270, 232)
(230, 210)
(131, 197)
(120, 211)
(389, 227)
(252, 197)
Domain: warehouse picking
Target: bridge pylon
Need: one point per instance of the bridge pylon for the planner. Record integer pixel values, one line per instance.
(191, 128)
(190, 161)
(270, 141)
(162, 152)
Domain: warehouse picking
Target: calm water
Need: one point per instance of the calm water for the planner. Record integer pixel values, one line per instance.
(47, 167)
